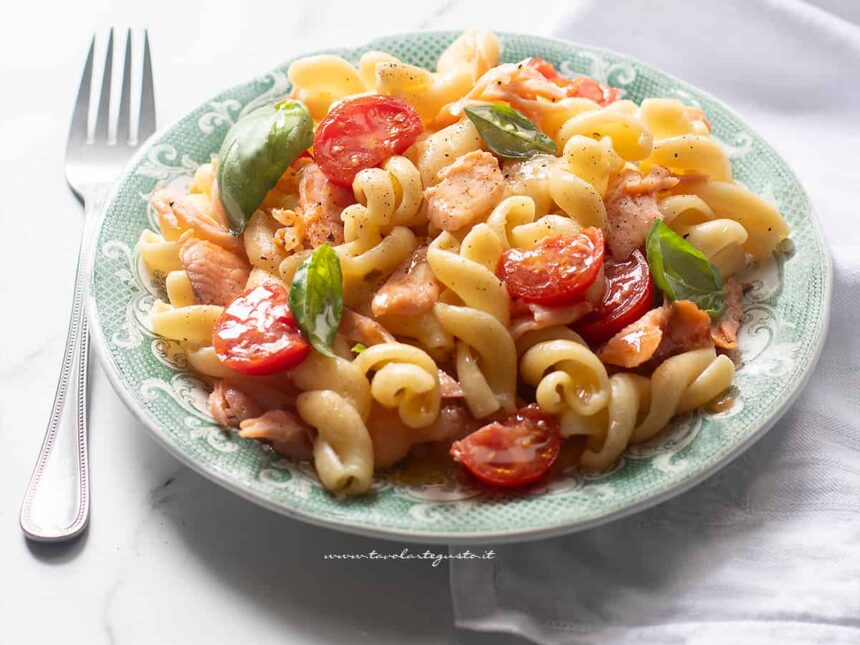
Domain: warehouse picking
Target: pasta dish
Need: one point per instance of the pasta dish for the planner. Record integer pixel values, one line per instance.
(489, 258)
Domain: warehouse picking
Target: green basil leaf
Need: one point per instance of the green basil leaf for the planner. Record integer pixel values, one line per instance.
(508, 133)
(683, 272)
(358, 348)
(316, 297)
(257, 150)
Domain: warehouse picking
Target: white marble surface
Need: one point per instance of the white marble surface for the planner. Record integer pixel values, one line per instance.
(170, 557)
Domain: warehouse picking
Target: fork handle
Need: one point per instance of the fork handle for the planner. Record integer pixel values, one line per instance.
(56, 504)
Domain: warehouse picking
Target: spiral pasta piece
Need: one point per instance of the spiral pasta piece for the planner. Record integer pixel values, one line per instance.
(552, 116)
(673, 379)
(201, 183)
(716, 378)
(405, 378)
(192, 324)
(366, 250)
(392, 194)
(178, 287)
(556, 332)
(568, 376)
(496, 357)
(514, 225)
(424, 328)
(318, 372)
(442, 147)
(530, 178)
(764, 225)
(318, 81)
(468, 269)
(579, 183)
(260, 276)
(474, 50)
(205, 361)
(591, 160)
(425, 91)
(685, 210)
(579, 199)
(640, 407)
(610, 429)
(343, 452)
(691, 153)
(259, 242)
(667, 118)
(290, 265)
(721, 240)
(157, 253)
(367, 65)
(630, 137)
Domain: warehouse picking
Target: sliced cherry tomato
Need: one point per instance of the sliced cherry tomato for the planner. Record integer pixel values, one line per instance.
(629, 294)
(257, 333)
(555, 272)
(362, 133)
(513, 452)
(581, 86)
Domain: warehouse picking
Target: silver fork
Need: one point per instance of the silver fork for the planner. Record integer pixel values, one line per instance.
(56, 504)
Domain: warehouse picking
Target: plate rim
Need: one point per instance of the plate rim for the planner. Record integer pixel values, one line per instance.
(564, 527)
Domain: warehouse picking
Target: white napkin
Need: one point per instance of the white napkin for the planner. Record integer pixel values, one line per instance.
(768, 550)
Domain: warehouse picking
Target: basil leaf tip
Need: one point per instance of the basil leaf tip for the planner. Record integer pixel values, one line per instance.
(358, 348)
(508, 133)
(257, 150)
(316, 298)
(682, 271)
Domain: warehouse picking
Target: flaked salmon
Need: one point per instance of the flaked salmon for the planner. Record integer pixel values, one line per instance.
(532, 316)
(631, 206)
(392, 439)
(411, 290)
(724, 331)
(183, 213)
(321, 203)
(230, 404)
(233, 401)
(662, 332)
(467, 191)
(637, 342)
(360, 329)
(519, 84)
(655, 181)
(217, 275)
(288, 434)
(450, 388)
(688, 328)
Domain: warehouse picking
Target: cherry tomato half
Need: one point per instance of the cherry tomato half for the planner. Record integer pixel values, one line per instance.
(555, 272)
(581, 86)
(257, 333)
(629, 294)
(513, 452)
(361, 133)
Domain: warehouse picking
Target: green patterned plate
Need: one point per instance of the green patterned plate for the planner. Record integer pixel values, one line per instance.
(786, 321)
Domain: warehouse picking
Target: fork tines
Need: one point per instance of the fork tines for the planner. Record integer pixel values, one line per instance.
(124, 134)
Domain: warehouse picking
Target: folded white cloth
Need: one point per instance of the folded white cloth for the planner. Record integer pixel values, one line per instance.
(768, 550)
